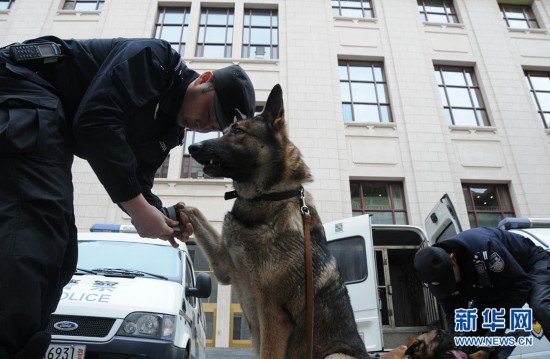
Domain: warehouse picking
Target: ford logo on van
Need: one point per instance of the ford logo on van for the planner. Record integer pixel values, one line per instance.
(65, 326)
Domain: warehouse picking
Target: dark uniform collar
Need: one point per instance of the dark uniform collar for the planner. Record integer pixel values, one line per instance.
(171, 100)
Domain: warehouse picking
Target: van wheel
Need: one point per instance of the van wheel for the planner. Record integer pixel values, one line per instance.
(186, 354)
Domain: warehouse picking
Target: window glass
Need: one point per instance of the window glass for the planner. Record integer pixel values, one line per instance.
(461, 96)
(156, 259)
(240, 327)
(215, 34)
(365, 90)
(352, 8)
(172, 26)
(487, 204)
(350, 254)
(539, 84)
(384, 201)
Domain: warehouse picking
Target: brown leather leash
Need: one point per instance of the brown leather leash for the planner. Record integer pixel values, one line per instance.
(306, 217)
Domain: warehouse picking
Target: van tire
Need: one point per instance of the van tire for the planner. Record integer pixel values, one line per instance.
(186, 353)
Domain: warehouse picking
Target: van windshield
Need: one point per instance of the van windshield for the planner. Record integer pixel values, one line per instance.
(150, 258)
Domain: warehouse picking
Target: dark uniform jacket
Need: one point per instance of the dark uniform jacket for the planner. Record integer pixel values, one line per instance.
(508, 258)
(121, 98)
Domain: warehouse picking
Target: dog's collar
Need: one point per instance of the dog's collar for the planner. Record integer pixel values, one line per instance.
(275, 196)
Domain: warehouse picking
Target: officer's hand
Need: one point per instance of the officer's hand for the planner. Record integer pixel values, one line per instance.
(151, 223)
(185, 225)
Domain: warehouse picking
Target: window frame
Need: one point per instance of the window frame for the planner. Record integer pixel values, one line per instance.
(160, 25)
(393, 210)
(201, 43)
(545, 115)
(449, 10)
(525, 18)
(364, 8)
(249, 27)
(187, 158)
(499, 187)
(8, 2)
(372, 65)
(100, 4)
(439, 69)
(162, 171)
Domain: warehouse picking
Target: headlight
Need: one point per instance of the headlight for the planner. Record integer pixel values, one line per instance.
(149, 325)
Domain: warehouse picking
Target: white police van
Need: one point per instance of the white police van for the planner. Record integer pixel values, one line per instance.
(130, 297)
(365, 252)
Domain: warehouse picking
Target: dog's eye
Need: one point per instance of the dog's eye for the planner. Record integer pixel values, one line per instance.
(237, 131)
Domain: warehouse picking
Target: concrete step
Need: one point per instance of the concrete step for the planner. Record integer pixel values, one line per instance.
(229, 353)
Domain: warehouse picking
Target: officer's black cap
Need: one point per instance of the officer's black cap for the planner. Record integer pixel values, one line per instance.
(434, 268)
(234, 90)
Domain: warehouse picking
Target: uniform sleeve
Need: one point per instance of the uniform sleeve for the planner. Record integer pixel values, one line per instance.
(133, 74)
(146, 180)
(507, 274)
(449, 305)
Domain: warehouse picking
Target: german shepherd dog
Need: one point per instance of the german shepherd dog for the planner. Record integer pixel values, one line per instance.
(435, 344)
(261, 249)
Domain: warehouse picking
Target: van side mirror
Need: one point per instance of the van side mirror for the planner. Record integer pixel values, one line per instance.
(203, 284)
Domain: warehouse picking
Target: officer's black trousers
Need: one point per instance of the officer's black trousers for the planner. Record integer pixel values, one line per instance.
(539, 298)
(38, 247)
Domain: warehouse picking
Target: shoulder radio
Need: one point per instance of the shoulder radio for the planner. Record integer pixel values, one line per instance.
(46, 52)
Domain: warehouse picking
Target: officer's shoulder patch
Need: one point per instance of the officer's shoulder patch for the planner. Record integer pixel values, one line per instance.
(495, 263)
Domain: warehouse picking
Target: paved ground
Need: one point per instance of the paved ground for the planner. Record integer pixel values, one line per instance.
(229, 353)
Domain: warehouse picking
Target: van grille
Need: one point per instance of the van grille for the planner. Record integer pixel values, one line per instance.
(87, 326)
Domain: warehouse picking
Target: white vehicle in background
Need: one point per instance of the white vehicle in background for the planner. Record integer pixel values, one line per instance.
(130, 297)
(361, 249)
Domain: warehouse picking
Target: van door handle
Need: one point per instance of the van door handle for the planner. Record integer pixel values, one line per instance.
(390, 290)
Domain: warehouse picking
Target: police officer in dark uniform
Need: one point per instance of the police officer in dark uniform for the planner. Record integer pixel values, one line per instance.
(487, 268)
(121, 104)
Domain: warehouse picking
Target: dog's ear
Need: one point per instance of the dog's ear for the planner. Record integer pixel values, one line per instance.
(274, 111)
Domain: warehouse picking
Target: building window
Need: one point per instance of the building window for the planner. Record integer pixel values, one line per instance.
(5, 4)
(172, 26)
(487, 204)
(364, 92)
(83, 5)
(440, 11)
(353, 8)
(191, 168)
(539, 84)
(519, 16)
(215, 37)
(383, 200)
(461, 96)
(260, 34)
(162, 171)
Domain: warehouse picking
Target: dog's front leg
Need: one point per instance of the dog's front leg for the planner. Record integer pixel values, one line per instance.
(210, 242)
(275, 330)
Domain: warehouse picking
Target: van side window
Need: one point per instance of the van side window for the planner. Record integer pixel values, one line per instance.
(189, 281)
(351, 256)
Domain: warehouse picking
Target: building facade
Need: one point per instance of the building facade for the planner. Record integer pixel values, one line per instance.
(392, 102)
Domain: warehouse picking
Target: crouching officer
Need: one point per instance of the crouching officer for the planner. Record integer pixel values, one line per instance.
(491, 268)
(121, 104)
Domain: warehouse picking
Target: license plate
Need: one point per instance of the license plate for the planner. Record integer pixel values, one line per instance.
(60, 351)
